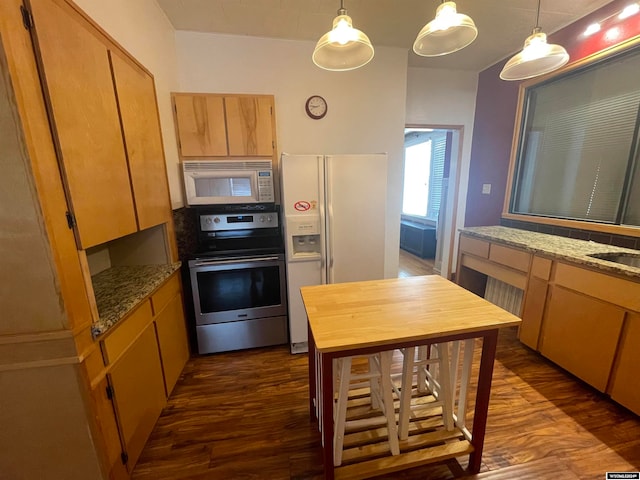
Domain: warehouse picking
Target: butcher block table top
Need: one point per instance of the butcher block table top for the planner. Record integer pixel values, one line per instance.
(354, 318)
(381, 313)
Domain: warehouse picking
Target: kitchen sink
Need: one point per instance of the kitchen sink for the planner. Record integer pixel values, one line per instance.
(631, 259)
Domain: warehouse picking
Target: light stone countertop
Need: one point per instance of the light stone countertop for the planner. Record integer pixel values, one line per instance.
(559, 248)
(120, 289)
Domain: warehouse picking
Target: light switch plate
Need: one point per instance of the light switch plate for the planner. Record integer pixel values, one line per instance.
(486, 188)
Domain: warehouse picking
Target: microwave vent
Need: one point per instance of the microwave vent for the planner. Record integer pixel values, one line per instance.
(190, 166)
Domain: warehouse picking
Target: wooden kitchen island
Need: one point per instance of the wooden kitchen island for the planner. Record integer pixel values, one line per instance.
(366, 317)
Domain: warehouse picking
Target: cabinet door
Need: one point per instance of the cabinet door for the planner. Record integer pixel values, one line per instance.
(138, 390)
(77, 80)
(200, 125)
(249, 125)
(581, 334)
(141, 128)
(626, 387)
(533, 310)
(172, 338)
(108, 427)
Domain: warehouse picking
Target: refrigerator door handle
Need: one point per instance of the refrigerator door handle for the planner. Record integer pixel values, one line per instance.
(322, 190)
(330, 275)
(329, 218)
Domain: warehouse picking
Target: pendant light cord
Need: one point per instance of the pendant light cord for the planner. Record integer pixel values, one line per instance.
(342, 10)
(538, 16)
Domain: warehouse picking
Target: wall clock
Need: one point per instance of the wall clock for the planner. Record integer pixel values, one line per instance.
(316, 107)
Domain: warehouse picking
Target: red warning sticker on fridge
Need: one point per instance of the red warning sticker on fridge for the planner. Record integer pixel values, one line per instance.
(302, 206)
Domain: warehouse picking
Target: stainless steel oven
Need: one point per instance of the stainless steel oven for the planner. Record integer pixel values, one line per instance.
(238, 279)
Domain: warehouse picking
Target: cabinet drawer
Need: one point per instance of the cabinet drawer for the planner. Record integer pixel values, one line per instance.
(495, 270)
(126, 332)
(599, 285)
(474, 246)
(165, 293)
(510, 257)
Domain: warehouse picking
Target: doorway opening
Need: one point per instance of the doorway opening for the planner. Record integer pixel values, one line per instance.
(431, 155)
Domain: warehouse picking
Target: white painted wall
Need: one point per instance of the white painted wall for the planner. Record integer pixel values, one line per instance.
(446, 98)
(366, 106)
(143, 29)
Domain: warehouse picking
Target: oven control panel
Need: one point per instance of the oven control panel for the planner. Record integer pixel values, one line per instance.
(222, 222)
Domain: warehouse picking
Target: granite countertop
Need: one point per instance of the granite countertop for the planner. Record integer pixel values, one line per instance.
(119, 289)
(560, 248)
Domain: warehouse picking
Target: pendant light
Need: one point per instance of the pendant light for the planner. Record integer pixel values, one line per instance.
(448, 32)
(536, 58)
(343, 47)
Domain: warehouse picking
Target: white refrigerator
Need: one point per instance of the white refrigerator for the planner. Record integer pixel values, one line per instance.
(334, 224)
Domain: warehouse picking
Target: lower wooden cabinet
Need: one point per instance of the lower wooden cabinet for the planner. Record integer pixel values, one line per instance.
(581, 334)
(172, 338)
(533, 311)
(112, 447)
(144, 355)
(138, 392)
(625, 388)
(583, 319)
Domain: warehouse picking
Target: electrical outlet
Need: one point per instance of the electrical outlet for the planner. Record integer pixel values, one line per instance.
(486, 188)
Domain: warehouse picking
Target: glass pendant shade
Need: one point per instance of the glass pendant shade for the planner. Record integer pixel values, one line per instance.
(536, 58)
(448, 32)
(344, 47)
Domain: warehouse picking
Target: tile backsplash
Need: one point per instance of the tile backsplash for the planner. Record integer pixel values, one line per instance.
(599, 237)
(186, 228)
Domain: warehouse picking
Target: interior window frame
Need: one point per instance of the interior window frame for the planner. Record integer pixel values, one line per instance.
(521, 115)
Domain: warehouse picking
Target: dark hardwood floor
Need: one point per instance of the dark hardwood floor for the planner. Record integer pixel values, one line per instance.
(244, 415)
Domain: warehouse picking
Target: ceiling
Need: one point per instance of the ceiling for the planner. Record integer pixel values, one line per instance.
(502, 25)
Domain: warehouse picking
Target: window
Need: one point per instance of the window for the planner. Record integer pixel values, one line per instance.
(423, 172)
(578, 147)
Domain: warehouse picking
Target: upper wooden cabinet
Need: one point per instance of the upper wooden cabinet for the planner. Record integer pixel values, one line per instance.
(103, 112)
(83, 111)
(79, 132)
(249, 125)
(212, 125)
(141, 129)
(200, 125)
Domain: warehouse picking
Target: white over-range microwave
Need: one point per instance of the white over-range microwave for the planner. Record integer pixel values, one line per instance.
(228, 181)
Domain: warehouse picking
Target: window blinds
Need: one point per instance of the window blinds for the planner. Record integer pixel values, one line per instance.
(439, 146)
(578, 142)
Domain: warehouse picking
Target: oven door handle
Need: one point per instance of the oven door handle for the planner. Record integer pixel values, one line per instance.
(202, 263)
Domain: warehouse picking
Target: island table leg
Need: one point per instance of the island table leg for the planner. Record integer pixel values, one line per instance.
(489, 343)
(313, 394)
